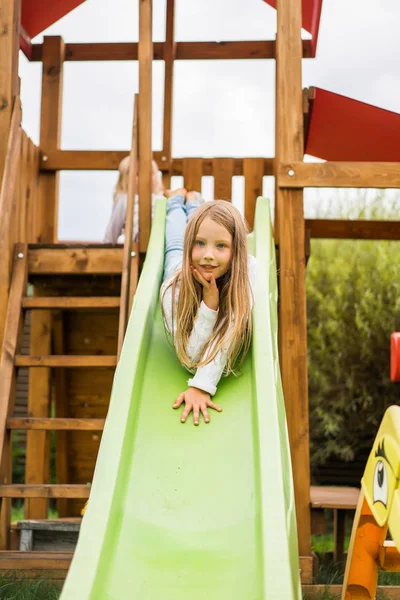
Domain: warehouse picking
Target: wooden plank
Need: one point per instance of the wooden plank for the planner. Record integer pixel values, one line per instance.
(169, 57)
(33, 163)
(290, 233)
(7, 379)
(253, 171)
(223, 173)
(75, 261)
(7, 194)
(128, 254)
(68, 360)
(64, 524)
(37, 466)
(61, 410)
(11, 334)
(306, 568)
(44, 491)
(70, 302)
(192, 173)
(35, 560)
(56, 424)
(145, 55)
(296, 174)
(23, 199)
(108, 160)
(116, 51)
(345, 498)
(50, 135)
(353, 230)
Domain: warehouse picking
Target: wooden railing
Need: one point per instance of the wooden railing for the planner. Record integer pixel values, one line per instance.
(130, 260)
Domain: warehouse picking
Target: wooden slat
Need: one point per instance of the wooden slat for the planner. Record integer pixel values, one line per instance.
(70, 302)
(23, 199)
(44, 491)
(306, 568)
(169, 57)
(33, 164)
(145, 55)
(290, 234)
(11, 332)
(334, 497)
(61, 402)
(37, 467)
(253, 49)
(35, 560)
(75, 261)
(99, 160)
(223, 173)
(127, 252)
(68, 361)
(339, 174)
(56, 424)
(192, 173)
(353, 230)
(7, 192)
(253, 171)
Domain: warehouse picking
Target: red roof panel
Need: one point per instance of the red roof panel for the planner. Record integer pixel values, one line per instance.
(343, 129)
(37, 15)
(311, 17)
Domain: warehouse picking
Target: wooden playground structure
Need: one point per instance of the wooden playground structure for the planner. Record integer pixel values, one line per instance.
(81, 293)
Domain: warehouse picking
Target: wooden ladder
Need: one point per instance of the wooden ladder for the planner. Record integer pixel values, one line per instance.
(37, 261)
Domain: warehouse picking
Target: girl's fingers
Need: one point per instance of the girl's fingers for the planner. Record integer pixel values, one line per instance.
(179, 400)
(205, 414)
(215, 406)
(196, 416)
(185, 413)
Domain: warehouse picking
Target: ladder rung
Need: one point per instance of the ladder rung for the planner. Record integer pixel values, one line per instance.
(68, 361)
(56, 424)
(44, 491)
(66, 302)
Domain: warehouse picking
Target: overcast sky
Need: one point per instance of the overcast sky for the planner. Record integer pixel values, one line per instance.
(221, 108)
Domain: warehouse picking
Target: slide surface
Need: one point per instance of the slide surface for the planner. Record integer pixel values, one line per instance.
(179, 512)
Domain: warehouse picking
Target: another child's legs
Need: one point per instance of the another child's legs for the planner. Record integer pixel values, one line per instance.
(193, 201)
(174, 234)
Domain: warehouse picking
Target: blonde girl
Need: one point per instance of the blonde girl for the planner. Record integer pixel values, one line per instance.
(207, 294)
(115, 232)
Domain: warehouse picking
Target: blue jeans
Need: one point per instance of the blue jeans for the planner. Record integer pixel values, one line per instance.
(178, 214)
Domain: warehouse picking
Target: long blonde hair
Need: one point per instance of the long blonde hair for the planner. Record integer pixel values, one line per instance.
(232, 330)
(123, 178)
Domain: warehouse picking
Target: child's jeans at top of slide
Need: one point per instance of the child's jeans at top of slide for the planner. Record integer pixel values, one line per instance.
(178, 214)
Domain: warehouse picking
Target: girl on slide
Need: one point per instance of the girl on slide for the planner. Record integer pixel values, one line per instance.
(207, 294)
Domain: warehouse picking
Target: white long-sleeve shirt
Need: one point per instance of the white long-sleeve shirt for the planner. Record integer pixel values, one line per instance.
(115, 232)
(206, 378)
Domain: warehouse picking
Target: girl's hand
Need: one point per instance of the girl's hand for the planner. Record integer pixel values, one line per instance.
(210, 288)
(195, 400)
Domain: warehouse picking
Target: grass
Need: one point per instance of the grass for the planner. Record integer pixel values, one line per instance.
(15, 587)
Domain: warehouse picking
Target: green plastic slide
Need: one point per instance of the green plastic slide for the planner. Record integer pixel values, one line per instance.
(178, 512)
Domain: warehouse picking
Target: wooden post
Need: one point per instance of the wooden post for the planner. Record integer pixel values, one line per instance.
(169, 58)
(289, 229)
(50, 135)
(10, 11)
(39, 397)
(145, 52)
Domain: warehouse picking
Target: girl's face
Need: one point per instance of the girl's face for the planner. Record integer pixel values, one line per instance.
(212, 249)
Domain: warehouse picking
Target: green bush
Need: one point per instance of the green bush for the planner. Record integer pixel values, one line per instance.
(353, 306)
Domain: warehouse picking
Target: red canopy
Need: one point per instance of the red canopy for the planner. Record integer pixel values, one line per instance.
(37, 15)
(311, 17)
(341, 128)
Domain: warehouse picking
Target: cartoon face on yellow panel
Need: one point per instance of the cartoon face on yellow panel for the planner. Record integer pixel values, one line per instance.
(381, 476)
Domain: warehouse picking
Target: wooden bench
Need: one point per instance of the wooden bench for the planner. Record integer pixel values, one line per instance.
(59, 535)
(340, 500)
